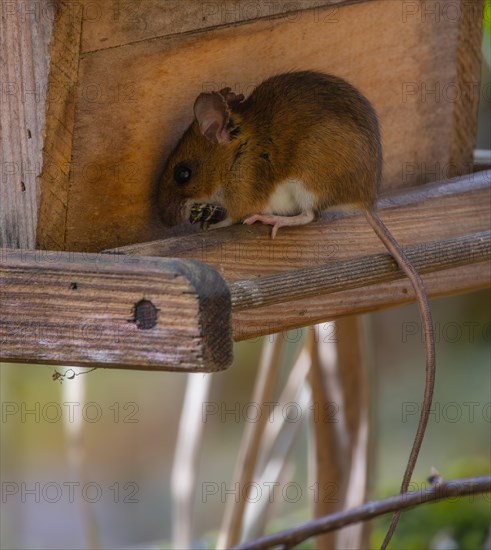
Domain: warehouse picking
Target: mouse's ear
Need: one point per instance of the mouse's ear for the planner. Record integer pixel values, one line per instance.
(211, 113)
(233, 100)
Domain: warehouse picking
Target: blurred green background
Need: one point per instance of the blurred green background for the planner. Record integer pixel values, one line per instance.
(131, 421)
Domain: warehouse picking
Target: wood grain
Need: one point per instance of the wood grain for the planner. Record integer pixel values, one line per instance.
(108, 24)
(417, 217)
(25, 32)
(112, 311)
(465, 93)
(358, 272)
(63, 90)
(134, 100)
(292, 315)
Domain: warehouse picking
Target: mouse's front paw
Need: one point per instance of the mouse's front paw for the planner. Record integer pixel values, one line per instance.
(207, 214)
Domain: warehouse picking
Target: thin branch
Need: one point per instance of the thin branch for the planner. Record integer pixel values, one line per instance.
(250, 445)
(277, 444)
(291, 537)
(331, 457)
(186, 458)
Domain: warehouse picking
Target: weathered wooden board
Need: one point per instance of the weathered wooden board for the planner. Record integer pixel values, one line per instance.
(135, 98)
(416, 215)
(25, 31)
(292, 315)
(113, 311)
(111, 23)
(60, 119)
(360, 272)
(434, 212)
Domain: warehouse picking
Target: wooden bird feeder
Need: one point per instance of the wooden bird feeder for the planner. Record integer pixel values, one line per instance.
(96, 93)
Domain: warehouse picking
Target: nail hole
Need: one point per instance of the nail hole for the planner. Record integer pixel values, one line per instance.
(145, 315)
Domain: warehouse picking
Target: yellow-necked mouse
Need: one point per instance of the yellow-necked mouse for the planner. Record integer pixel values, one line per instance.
(301, 143)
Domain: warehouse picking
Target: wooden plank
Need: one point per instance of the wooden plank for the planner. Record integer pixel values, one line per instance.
(121, 22)
(434, 212)
(244, 252)
(358, 272)
(135, 100)
(112, 311)
(292, 315)
(466, 91)
(25, 31)
(57, 154)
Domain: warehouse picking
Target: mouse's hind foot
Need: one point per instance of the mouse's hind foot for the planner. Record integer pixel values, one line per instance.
(280, 221)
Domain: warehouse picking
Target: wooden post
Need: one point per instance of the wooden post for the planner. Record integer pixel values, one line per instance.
(25, 32)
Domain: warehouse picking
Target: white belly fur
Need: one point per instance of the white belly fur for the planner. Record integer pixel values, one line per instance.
(290, 197)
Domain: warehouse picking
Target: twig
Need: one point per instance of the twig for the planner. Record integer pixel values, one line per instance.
(331, 460)
(186, 458)
(338, 378)
(278, 440)
(291, 537)
(245, 466)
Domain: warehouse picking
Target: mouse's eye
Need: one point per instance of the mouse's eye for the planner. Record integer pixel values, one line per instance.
(182, 173)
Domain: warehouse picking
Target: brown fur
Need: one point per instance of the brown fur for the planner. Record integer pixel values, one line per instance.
(308, 126)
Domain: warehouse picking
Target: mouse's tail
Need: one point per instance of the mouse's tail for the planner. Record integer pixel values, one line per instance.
(417, 283)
